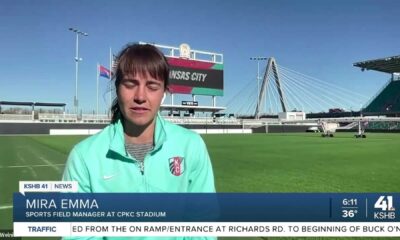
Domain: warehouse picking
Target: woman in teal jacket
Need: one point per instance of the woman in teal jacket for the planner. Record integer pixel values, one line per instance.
(140, 151)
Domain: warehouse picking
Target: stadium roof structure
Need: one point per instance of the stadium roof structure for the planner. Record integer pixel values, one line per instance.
(50, 104)
(387, 65)
(32, 104)
(16, 103)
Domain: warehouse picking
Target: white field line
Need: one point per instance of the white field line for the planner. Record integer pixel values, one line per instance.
(34, 174)
(27, 166)
(6, 207)
(43, 159)
(22, 159)
(52, 165)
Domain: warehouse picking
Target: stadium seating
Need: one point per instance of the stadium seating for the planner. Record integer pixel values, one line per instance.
(387, 101)
(16, 117)
(383, 126)
(49, 117)
(91, 118)
(73, 118)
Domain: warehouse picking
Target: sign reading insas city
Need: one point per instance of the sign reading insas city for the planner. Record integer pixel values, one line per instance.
(196, 77)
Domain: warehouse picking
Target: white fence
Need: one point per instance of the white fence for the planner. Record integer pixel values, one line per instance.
(74, 131)
(91, 118)
(51, 117)
(68, 118)
(16, 117)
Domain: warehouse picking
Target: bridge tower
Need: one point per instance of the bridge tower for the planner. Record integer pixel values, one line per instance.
(271, 68)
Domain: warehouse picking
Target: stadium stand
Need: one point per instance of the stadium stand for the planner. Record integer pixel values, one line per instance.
(48, 117)
(203, 120)
(388, 100)
(91, 118)
(383, 126)
(16, 117)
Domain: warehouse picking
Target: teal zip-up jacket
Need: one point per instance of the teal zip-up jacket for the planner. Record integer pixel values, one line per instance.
(179, 162)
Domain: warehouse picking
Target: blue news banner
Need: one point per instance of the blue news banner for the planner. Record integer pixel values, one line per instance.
(203, 207)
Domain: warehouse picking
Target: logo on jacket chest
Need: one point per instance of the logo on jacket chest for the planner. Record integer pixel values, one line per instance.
(176, 165)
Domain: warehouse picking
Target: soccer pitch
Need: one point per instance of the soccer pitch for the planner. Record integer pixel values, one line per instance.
(242, 163)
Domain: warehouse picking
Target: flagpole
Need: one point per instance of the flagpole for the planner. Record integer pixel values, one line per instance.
(97, 91)
(110, 81)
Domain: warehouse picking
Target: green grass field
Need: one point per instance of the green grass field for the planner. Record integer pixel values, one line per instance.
(242, 163)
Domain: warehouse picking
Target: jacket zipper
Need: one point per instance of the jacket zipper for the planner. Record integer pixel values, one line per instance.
(141, 167)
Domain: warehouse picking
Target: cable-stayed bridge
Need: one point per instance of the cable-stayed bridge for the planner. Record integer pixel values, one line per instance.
(283, 90)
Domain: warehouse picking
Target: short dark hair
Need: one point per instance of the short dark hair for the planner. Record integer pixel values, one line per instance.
(135, 59)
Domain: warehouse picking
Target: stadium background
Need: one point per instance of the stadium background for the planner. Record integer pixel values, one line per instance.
(289, 160)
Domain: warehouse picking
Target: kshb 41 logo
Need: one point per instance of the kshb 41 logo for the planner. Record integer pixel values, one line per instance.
(385, 204)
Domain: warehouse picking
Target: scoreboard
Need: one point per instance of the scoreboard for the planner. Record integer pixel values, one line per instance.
(195, 77)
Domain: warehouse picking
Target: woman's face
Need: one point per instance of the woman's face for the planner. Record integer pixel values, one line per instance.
(139, 98)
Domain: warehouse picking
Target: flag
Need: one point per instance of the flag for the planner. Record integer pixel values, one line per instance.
(104, 72)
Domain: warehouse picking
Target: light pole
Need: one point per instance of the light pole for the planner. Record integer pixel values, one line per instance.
(258, 59)
(77, 60)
